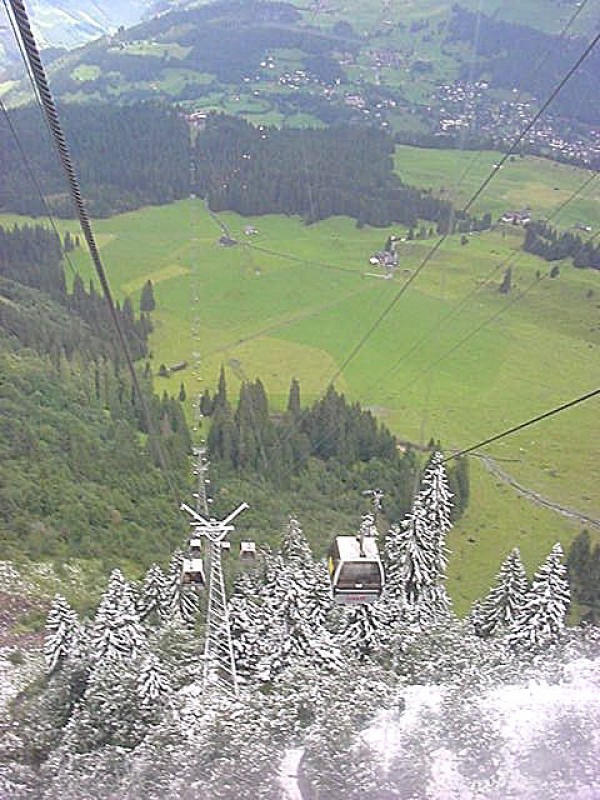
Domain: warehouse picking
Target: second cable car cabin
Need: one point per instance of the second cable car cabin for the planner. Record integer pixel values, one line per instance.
(192, 569)
(356, 570)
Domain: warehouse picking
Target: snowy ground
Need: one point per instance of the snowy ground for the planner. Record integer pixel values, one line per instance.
(517, 741)
(289, 773)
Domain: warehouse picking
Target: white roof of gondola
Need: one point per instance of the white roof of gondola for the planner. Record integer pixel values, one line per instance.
(349, 548)
(193, 564)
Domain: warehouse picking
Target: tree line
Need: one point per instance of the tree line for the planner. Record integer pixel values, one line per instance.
(314, 173)
(125, 157)
(347, 439)
(543, 240)
(31, 256)
(79, 461)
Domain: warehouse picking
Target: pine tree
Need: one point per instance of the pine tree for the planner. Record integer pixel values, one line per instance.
(542, 621)
(248, 626)
(147, 302)
(436, 500)
(117, 632)
(293, 405)
(181, 603)
(153, 685)
(154, 599)
(504, 603)
(294, 544)
(61, 633)
(415, 555)
(364, 630)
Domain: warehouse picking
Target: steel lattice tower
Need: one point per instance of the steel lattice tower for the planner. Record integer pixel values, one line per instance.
(219, 662)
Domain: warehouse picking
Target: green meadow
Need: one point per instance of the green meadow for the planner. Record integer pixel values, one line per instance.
(527, 182)
(453, 359)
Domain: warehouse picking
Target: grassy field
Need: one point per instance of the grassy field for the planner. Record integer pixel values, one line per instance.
(454, 359)
(537, 183)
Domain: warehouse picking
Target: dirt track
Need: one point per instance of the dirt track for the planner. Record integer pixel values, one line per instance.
(535, 497)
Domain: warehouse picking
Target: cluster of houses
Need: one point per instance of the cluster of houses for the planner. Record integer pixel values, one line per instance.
(464, 105)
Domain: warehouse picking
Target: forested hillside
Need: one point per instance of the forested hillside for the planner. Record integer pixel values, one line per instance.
(125, 158)
(314, 173)
(78, 464)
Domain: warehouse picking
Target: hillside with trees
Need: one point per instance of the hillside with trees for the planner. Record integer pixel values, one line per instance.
(79, 465)
(125, 157)
(315, 173)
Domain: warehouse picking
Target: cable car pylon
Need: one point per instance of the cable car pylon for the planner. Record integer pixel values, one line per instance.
(219, 671)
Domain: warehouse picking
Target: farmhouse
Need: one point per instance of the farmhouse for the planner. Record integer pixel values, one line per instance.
(388, 257)
(522, 218)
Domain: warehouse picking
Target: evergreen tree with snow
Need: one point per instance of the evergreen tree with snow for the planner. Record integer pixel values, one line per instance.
(505, 602)
(154, 600)
(294, 544)
(153, 684)
(117, 632)
(542, 621)
(414, 574)
(61, 633)
(247, 625)
(364, 630)
(110, 712)
(415, 552)
(436, 501)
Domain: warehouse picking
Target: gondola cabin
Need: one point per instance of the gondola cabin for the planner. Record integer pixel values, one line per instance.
(356, 571)
(192, 570)
(247, 551)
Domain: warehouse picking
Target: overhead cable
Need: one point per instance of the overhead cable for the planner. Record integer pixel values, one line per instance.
(381, 317)
(581, 399)
(51, 115)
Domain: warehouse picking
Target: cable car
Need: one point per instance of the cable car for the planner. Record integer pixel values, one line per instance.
(247, 551)
(192, 570)
(356, 570)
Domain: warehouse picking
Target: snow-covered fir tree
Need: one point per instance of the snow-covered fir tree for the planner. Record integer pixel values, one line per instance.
(436, 500)
(414, 579)
(248, 626)
(110, 712)
(61, 633)
(364, 630)
(415, 552)
(505, 601)
(542, 621)
(292, 605)
(294, 544)
(154, 597)
(153, 684)
(117, 632)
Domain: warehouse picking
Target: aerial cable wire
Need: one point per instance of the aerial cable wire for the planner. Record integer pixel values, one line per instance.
(536, 68)
(513, 258)
(53, 120)
(534, 120)
(36, 185)
(392, 303)
(552, 412)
